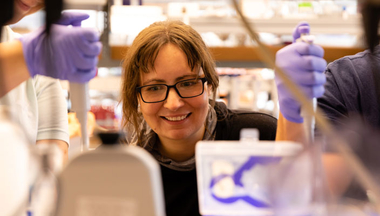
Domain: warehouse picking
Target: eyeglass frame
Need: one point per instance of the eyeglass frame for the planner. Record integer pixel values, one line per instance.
(203, 79)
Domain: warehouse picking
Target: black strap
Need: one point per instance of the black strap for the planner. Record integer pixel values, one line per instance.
(6, 12)
(53, 10)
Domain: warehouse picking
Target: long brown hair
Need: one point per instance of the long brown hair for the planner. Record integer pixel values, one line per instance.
(143, 53)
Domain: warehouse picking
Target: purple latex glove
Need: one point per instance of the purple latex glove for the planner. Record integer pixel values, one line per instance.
(67, 54)
(72, 18)
(301, 28)
(304, 65)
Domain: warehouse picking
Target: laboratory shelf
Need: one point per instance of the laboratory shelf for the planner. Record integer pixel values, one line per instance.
(244, 54)
(238, 55)
(280, 25)
(97, 5)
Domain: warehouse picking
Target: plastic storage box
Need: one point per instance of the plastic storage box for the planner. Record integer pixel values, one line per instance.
(234, 176)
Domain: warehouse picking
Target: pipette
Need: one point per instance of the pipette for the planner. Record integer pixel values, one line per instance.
(309, 120)
(80, 104)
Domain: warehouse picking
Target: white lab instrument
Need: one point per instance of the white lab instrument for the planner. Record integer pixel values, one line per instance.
(14, 166)
(234, 176)
(309, 121)
(80, 104)
(22, 170)
(109, 181)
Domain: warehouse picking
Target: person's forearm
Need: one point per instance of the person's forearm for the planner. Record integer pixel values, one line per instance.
(290, 131)
(13, 68)
(63, 146)
(338, 174)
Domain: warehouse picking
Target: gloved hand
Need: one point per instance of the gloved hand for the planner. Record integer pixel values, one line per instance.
(301, 28)
(304, 65)
(67, 54)
(72, 18)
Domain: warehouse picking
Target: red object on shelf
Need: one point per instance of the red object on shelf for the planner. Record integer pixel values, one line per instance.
(104, 115)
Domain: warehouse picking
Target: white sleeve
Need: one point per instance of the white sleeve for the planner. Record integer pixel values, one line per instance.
(52, 110)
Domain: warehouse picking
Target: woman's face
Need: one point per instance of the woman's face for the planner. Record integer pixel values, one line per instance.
(175, 118)
(21, 8)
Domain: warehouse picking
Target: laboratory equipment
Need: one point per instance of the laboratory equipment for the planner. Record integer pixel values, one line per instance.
(233, 176)
(80, 104)
(23, 170)
(298, 186)
(14, 168)
(111, 180)
(80, 99)
(309, 119)
(361, 172)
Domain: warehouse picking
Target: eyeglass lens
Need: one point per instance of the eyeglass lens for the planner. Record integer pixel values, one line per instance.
(186, 89)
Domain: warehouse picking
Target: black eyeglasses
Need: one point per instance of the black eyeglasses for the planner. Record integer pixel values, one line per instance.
(159, 92)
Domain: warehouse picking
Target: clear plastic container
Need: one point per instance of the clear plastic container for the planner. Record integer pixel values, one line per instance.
(234, 176)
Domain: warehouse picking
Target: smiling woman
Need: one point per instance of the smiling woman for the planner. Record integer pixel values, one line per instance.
(168, 95)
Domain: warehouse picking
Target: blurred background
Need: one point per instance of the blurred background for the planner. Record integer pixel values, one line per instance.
(245, 81)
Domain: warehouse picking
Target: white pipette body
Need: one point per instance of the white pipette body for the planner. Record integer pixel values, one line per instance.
(80, 104)
(309, 120)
